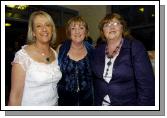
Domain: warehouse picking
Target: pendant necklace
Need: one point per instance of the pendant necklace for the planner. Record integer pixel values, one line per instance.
(46, 58)
(117, 49)
(41, 52)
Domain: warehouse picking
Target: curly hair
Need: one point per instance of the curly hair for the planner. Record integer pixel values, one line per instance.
(108, 18)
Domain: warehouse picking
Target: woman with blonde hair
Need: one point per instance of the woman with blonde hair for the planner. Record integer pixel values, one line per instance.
(35, 70)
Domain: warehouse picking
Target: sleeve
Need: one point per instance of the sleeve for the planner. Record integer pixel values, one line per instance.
(21, 58)
(144, 75)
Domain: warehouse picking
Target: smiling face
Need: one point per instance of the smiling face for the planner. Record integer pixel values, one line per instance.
(77, 32)
(42, 29)
(113, 29)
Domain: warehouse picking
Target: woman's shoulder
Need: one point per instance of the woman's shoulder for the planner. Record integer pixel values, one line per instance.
(89, 47)
(136, 44)
(28, 50)
(22, 51)
(58, 48)
(55, 51)
(21, 57)
(137, 47)
(133, 43)
(100, 47)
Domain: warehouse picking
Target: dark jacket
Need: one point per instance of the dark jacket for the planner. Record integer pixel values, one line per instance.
(133, 81)
(76, 86)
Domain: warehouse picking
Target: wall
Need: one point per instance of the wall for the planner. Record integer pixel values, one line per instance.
(92, 14)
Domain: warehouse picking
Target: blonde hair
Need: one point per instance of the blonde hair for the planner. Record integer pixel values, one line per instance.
(30, 37)
(108, 18)
(76, 20)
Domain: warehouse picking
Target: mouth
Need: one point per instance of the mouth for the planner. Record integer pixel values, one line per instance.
(112, 32)
(45, 34)
(77, 36)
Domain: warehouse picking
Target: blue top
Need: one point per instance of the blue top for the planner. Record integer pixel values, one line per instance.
(133, 81)
(75, 87)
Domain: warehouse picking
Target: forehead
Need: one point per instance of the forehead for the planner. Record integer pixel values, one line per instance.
(41, 18)
(112, 20)
(75, 23)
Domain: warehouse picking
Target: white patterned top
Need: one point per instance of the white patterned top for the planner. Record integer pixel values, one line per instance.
(41, 80)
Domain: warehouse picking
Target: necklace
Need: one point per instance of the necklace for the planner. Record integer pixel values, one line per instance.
(46, 57)
(117, 49)
(108, 65)
(78, 47)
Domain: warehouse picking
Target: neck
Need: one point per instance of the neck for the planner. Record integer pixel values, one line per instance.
(42, 47)
(77, 45)
(113, 48)
(44, 51)
(114, 41)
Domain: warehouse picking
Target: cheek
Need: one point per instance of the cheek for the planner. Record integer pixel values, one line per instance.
(36, 31)
(105, 33)
(51, 30)
(120, 31)
(71, 34)
(84, 33)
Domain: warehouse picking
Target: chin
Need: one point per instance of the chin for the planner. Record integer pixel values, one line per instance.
(46, 40)
(78, 40)
(111, 38)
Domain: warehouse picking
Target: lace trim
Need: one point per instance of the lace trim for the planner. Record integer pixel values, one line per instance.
(22, 58)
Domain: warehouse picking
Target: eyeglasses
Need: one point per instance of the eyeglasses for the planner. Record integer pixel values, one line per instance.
(111, 24)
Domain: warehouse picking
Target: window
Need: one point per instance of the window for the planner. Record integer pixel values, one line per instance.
(140, 20)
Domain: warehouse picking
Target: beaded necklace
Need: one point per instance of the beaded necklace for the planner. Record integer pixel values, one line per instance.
(117, 49)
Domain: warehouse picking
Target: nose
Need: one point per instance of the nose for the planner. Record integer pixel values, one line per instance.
(77, 30)
(44, 28)
(111, 27)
